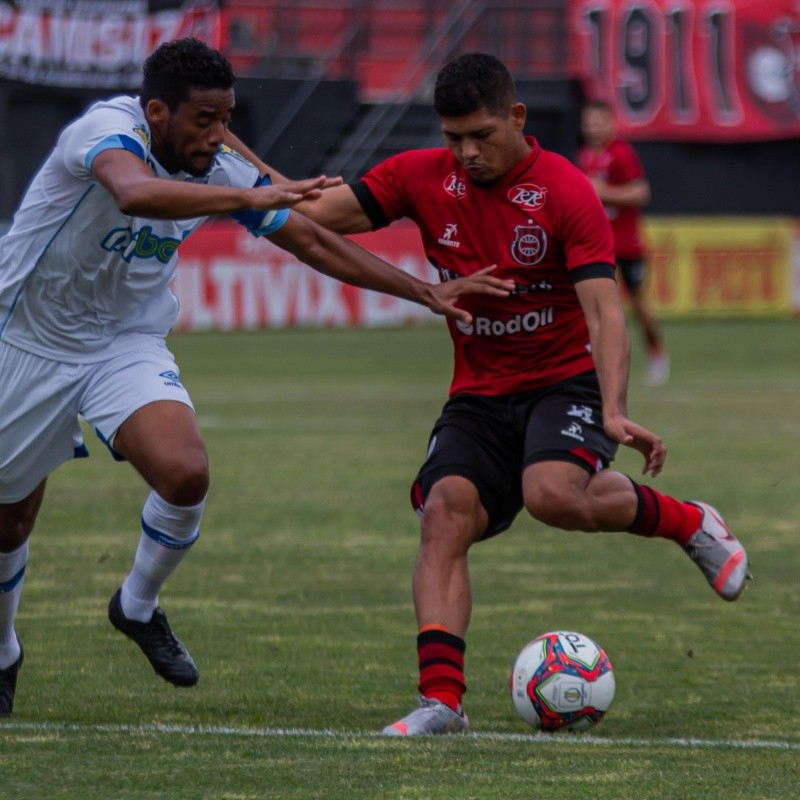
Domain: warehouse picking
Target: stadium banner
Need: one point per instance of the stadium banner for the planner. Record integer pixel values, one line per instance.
(95, 44)
(227, 279)
(724, 266)
(692, 70)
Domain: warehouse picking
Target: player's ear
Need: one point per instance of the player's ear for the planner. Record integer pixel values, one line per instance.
(518, 116)
(156, 111)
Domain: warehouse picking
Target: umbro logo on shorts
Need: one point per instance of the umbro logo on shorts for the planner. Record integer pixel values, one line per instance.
(172, 378)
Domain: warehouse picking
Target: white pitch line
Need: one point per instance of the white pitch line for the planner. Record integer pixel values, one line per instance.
(309, 733)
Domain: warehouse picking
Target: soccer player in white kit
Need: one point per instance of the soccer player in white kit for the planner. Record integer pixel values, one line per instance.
(85, 307)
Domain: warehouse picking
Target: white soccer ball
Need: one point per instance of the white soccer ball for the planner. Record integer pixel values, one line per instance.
(562, 681)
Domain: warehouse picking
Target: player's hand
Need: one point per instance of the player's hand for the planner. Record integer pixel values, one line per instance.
(286, 194)
(631, 434)
(443, 296)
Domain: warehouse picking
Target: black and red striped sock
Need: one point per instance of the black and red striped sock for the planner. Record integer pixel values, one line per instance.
(441, 665)
(663, 516)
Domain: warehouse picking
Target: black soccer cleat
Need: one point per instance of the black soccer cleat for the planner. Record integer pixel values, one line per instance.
(167, 655)
(8, 684)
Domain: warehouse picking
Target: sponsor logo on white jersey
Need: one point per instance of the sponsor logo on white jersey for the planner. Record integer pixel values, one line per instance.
(140, 244)
(527, 323)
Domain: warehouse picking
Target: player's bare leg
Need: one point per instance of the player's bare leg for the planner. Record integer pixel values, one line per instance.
(452, 521)
(16, 524)
(163, 443)
(566, 496)
(658, 362)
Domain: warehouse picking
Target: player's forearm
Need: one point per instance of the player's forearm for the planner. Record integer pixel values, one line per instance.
(611, 352)
(340, 258)
(161, 199)
(635, 194)
(337, 209)
(608, 336)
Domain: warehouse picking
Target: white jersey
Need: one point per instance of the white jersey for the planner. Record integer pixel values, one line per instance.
(79, 280)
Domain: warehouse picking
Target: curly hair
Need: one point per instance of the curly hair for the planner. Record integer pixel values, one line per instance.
(174, 68)
(473, 81)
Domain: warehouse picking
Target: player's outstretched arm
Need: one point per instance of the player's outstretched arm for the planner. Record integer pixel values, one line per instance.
(137, 192)
(336, 208)
(344, 260)
(599, 298)
(235, 143)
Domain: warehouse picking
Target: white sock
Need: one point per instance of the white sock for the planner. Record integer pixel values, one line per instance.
(168, 532)
(12, 572)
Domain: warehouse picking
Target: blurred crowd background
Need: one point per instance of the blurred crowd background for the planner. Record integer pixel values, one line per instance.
(708, 92)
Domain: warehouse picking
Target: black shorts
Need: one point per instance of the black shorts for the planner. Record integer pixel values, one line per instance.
(490, 440)
(632, 271)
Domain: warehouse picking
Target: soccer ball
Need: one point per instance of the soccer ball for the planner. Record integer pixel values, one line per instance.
(562, 681)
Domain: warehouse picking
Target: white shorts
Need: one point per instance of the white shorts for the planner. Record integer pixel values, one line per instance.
(41, 400)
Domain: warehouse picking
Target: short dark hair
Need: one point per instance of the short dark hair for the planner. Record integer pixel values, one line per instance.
(174, 68)
(473, 81)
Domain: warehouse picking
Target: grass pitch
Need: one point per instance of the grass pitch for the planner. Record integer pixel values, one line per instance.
(296, 601)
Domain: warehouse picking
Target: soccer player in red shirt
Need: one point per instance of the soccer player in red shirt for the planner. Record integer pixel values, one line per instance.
(619, 178)
(537, 404)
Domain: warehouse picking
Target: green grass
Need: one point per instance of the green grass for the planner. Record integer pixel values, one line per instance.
(296, 601)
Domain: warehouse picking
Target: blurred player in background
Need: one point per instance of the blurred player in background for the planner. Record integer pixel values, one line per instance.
(85, 307)
(619, 178)
(537, 404)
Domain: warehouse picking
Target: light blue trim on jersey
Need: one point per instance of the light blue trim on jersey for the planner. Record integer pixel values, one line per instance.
(260, 223)
(273, 221)
(169, 542)
(116, 142)
(39, 258)
(10, 585)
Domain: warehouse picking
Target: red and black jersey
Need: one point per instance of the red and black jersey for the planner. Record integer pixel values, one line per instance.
(617, 164)
(541, 224)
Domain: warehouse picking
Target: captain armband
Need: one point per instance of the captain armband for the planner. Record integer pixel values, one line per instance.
(262, 223)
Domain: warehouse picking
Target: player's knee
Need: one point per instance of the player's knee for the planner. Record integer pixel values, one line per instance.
(186, 481)
(17, 520)
(14, 532)
(445, 527)
(557, 507)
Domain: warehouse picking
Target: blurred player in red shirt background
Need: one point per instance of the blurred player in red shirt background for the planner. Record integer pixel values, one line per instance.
(619, 178)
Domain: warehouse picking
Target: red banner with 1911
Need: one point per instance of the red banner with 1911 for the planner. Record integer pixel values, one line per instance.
(701, 70)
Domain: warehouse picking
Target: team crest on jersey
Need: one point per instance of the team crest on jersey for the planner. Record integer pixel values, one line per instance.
(229, 151)
(529, 245)
(143, 134)
(528, 195)
(454, 186)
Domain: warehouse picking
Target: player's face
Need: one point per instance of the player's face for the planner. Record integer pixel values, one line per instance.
(189, 137)
(597, 126)
(487, 144)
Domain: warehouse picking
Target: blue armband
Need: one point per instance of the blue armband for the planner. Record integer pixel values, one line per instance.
(262, 223)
